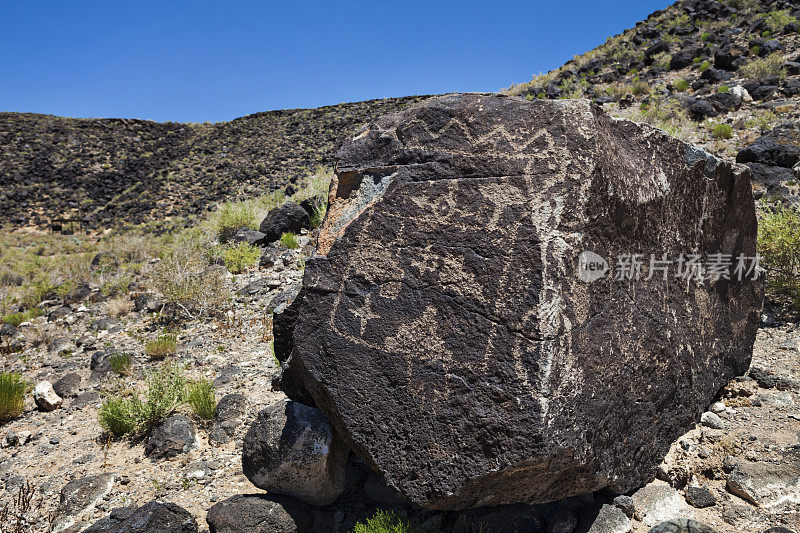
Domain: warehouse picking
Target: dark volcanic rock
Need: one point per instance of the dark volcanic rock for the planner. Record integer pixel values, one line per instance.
(250, 236)
(172, 437)
(290, 449)
(444, 331)
(682, 525)
(259, 514)
(155, 517)
(289, 217)
(768, 152)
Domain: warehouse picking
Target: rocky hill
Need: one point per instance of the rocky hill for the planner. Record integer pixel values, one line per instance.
(120, 171)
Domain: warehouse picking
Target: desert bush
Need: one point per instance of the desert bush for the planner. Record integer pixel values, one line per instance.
(385, 522)
(761, 67)
(200, 397)
(121, 363)
(640, 87)
(705, 65)
(779, 248)
(289, 240)
(723, 89)
(183, 275)
(240, 257)
(776, 20)
(15, 319)
(722, 131)
(162, 346)
(165, 392)
(12, 395)
(231, 217)
(318, 211)
(681, 85)
(118, 415)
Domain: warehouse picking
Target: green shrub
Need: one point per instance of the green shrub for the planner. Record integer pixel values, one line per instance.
(722, 131)
(162, 346)
(705, 36)
(385, 522)
(200, 397)
(723, 89)
(232, 217)
(639, 88)
(118, 416)
(166, 389)
(289, 240)
(779, 248)
(704, 66)
(121, 363)
(697, 60)
(318, 212)
(681, 85)
(240, 257)
(761, 67)
(15, 319)
(776, 20)
(12, 395)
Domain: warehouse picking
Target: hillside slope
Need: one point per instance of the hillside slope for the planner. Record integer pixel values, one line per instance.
(116, 171)
(721, 74)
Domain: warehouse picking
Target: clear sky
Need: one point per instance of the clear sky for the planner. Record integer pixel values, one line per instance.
(200, 61)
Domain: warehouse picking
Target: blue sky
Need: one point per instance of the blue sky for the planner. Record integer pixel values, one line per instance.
(211, 61)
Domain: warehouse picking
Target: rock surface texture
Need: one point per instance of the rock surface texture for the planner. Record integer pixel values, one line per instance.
(443, 329)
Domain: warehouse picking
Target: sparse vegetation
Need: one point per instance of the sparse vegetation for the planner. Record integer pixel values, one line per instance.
(640, 88)
(240, 257)
(681, 85)
(289, 240)
(119, 307)
(722, 131)
(779, 248)
(121, 363)
(200, 397)
(665, 114)
(705, 65)
(162, 346)
(165, 392)
(12, 395)
(723, 89)
(15, 319)
(117, 416)
(385, 522)
(761, 67)
(776, 20)
(232, 217)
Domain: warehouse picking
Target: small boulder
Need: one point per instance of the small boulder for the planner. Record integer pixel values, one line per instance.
(68, 386)
(701, 109)
(610, 519)
(230, 411)
(155, 517)
(113, 521)
(290, 449)
(768, 152)
(700, 497)
(657, 501)
(682, 525)
(765, 484)
(289, 217)
(172, 437)
(259, 514)
(82, 494)
(104, 261)
(712, 420)
(45, 397)
(249, 236)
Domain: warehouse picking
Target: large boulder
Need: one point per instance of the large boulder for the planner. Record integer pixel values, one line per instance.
(447, 332)
(260, 514)
(290, 449)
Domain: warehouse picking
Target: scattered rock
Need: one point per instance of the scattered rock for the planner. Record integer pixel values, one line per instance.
(768, 152)
(249, 236)
(155, 517)
(290, 449)
(230, 411)
(682, 525)
(68, 386)
(700, 497)
(657, 502)
(625, 504)
(45, 397)
(712, 420)
(289, 217)
(610, 519)
(104, 261)
(400, 263)
(767, 483)
(260, 514)
(172, 437)
(59, 345)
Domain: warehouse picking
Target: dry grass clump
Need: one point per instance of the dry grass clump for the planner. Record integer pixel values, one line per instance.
(119, 307)
(162, 346)
(201, 398)
(779, 248)
(240, 257)
(12, 396)
(762, 67)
